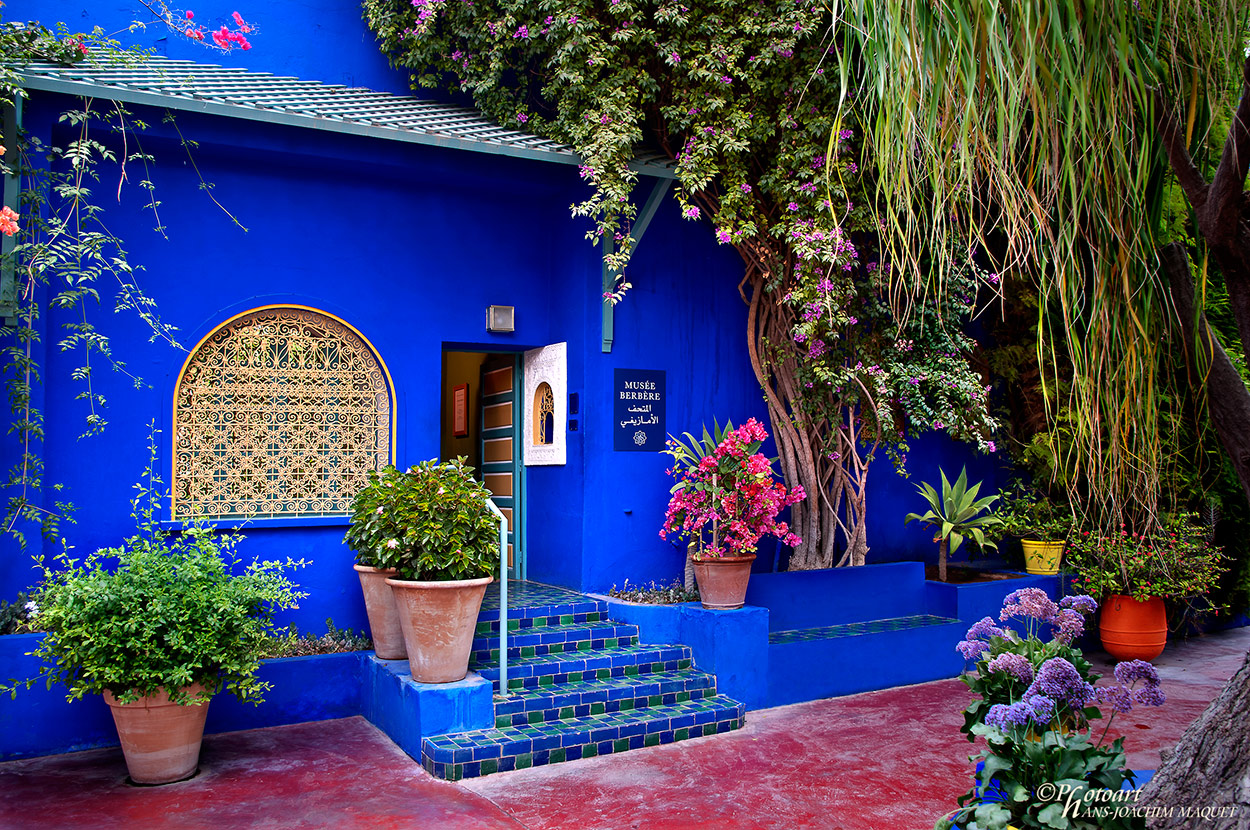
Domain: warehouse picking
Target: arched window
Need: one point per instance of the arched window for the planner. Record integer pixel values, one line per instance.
(282, 411)
(544, 415)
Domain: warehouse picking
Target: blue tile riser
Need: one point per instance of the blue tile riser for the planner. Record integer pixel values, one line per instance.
(582, 710)
(630, 687)
(491, 616)
(547, 680)
(482, 659)
(556, 634)
(468, 755)
(490, 627)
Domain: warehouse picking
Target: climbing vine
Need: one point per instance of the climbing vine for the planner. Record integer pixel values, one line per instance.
(742, 98)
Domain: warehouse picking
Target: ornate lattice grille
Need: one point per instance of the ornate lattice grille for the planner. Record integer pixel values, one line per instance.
(544, 414)
(281, 412)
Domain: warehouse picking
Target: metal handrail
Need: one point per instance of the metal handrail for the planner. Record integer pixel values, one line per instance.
(503, 598)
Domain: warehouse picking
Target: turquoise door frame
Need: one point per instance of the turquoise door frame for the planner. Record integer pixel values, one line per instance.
(515, 465)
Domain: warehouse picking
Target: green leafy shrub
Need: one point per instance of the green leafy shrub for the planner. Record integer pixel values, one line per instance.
(1177, 562)
(431, 522)
(176, 610)
(1028, 514)
(289, 642)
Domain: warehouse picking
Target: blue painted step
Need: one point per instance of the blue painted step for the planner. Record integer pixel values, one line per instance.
(482, 752)
(579, 685)
(596, 697)
(554, 639)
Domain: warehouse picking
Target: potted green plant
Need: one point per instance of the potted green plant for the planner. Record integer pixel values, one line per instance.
(1041, 524)
(725, 503)
(158, 625)
(375, 511)
(437, 532)
(687, 453)
(1135, 573)
(956, 514)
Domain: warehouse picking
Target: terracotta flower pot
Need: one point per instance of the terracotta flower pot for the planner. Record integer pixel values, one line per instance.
(384, 627)
(438, 620)
(723, 582)
(160, 739)
(1042, 557)
(1133, 630)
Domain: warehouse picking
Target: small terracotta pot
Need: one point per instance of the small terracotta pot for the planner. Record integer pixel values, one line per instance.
(1133, 630)
(160, 739)
(438, 620)
(384, 627)
(723, 582)
(1042, 557)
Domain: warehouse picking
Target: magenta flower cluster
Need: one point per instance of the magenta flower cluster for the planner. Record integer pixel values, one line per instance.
(730, 499)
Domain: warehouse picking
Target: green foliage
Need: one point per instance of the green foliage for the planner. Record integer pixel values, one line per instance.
(161, 611)
(289, 642)
(429, 523)
(1026, 513)
(689, 452)
(1176, 562)
(956, 512)
(1052, 781)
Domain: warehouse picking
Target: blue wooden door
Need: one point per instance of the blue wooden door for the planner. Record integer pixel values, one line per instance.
(500, 436)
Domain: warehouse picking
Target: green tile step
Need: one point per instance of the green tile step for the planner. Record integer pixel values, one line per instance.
(595, 696)
(556, 669)
(489, 626)
(484, 751)
(528, 600)
(554, 639)
(856, 629)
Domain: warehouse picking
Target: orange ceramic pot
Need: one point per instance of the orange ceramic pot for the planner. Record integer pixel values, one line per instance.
(723, 582)
(384, 627)
(1133, 630)
(160, 739)
(438, 620)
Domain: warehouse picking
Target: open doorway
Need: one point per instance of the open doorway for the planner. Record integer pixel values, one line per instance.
(482, 421)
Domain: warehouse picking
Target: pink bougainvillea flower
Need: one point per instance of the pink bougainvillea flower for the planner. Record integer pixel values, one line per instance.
(8, 221)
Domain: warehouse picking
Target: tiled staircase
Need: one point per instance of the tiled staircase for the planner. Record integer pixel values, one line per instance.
(579, 685)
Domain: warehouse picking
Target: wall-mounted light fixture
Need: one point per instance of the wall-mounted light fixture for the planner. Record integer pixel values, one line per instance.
(500, 318)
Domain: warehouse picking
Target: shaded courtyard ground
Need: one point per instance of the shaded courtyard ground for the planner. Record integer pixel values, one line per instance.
(892, 760)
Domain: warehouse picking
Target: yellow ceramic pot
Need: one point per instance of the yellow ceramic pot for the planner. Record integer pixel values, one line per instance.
(1042, 557)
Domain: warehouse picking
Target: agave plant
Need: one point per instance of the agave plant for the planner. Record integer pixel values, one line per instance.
(956, 513)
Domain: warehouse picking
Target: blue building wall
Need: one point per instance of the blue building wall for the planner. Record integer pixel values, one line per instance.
(409, 244)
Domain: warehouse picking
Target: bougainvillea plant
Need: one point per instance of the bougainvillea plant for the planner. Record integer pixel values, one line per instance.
(731, 498)
(743, 99)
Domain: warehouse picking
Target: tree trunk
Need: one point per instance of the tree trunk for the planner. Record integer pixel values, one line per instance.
(1227, 398)
(1205, 781)
(942, 558)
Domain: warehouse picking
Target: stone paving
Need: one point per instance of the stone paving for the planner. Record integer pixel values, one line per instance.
(892, 760)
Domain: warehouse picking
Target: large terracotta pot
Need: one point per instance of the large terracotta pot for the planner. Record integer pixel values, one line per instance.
(384, 627)
(1041, 557)
(1133, 630)
(723, 582)
(160, 739)
(438, 620)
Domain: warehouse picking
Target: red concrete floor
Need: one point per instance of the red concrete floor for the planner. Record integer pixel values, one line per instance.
(891, 760)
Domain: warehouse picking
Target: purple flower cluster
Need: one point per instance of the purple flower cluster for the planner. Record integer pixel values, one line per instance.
(1017, 665)
(1029, 602)
(1128, 674)
(976, 641)
(1035, 708)
(1059, 680)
